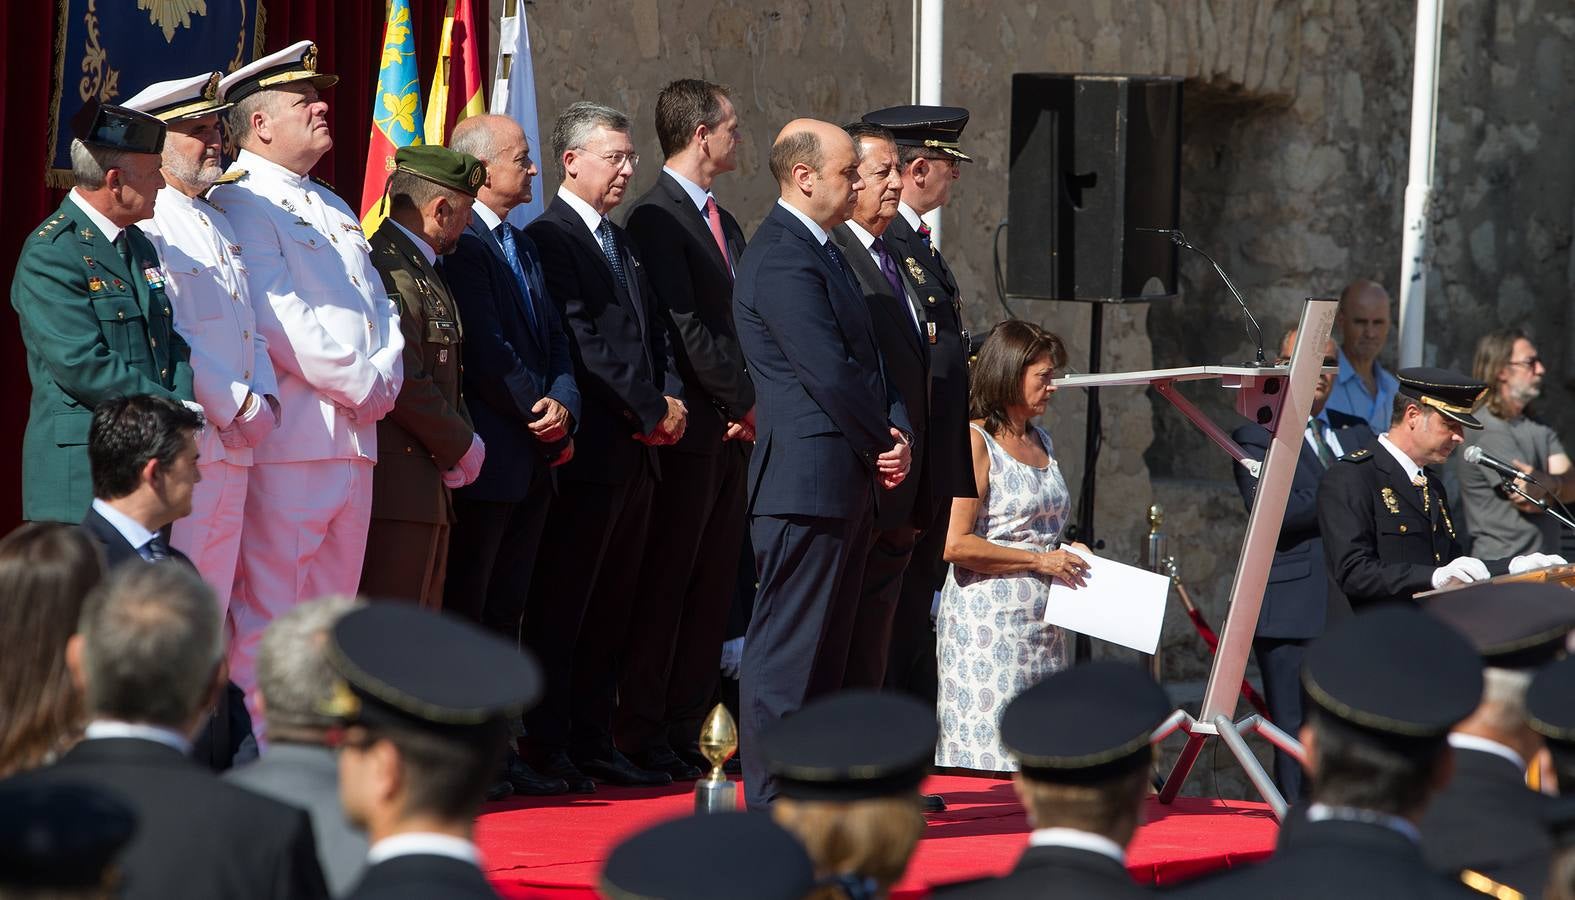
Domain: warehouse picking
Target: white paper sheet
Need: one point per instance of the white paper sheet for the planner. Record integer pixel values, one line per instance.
(1118, 603)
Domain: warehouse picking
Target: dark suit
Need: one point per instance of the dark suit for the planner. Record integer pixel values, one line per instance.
(1487, 820)
(908, 508)
(196, 835)
(1379, 543)
(824, 415)
(596, 528)
(422, 876)
(911, 666)
(515, 355)
(1319, 860)
(307, 777)
(1061, 872)
(669, 674)
(426, 433)
(1298, 597)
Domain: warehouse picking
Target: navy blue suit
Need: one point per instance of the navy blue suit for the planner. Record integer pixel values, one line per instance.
(824, 411)
(1298, 601)
(514, 356)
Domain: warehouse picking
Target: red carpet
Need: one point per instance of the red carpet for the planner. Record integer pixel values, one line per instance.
(553, 847)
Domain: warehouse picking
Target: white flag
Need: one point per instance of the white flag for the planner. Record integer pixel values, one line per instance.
(514, 95)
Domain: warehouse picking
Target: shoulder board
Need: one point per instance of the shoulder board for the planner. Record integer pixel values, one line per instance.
(50, 227)
(1361, 455)
(232, 176)
(1484, 885)
(323, 184)
(209, 201)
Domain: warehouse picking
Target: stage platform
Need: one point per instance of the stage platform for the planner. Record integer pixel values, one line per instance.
(552, 848)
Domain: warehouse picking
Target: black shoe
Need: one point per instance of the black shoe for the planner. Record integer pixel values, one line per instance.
(662, 759)
(933, 803)
(528, 782)
(558, 765)
(499, 790)
(615, 768)
(694, 757)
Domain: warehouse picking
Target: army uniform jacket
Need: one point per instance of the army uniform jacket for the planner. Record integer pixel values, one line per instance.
(429, 428)
(1381, 538)
(333, 334)
(94, 328)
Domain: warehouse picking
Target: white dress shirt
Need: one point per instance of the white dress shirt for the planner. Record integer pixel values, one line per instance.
(586, 212)
(333, 334)
(907, 213)
(110, 728)
(1078, 840)
(1328, 437)
(423, 843)
(1484, 745)
(427, 253)
(868, 240)
(1411, 469)
(488, 217)
(206, 280)
(697, 194)
(1322, 812)
(811, 224)
(135, 533)
(108, 229)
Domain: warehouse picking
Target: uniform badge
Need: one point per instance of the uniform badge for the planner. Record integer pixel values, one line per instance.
(88, 261)
(915, 270)
(351, 226)
(288, 206)
(87, 233)
(1390, 503)
(153, 277)
(929, 328)
(95, 283)
(235, 249)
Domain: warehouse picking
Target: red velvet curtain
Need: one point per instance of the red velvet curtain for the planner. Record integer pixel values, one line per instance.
(349, 35)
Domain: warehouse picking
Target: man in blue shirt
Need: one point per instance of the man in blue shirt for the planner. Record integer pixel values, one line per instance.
(1364, 388)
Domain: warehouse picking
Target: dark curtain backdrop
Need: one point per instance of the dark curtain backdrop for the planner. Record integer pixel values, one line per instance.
(349, 35)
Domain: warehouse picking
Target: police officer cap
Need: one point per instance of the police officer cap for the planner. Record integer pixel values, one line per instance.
(851, 746)
(440, 165)
(722, 856)
(60, 835)
(1452, 394)
(1394, 671)
(297, 62)
(934, 127)
(1087, 723)
(408, 667)
(1514, 626)
(181, 98)
(1550, 703)
(117, 128)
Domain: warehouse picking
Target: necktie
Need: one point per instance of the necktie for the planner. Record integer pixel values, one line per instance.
(156, 549)
(123, 244)
(714, 219)
(1325, 454)
(836, 257)
(609, 242)
(924, 235)
(888, 267)
(511, 252)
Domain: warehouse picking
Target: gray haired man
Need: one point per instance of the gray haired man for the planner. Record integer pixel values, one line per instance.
(294, 686)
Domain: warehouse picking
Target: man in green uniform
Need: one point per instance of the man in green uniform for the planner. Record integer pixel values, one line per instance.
(427, 444)
(89, 293)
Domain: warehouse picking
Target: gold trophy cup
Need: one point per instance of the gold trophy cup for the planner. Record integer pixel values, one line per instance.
(718, 741)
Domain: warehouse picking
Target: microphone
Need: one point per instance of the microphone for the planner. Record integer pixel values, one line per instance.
(1180, 240)
(1475, 454)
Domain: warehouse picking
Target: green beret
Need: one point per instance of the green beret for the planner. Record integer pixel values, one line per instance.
(440, 165)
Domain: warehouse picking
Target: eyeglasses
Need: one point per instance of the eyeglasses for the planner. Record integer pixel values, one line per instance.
(1531, 363)
(616, 160)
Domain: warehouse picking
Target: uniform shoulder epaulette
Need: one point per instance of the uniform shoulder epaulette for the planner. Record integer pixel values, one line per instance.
(232, 176)
(209, 200)
(323, 184)
(50, 227)
(1361, 455)
(1484, 885)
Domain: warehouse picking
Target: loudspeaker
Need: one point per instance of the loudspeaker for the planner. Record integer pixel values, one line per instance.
(1093, 157)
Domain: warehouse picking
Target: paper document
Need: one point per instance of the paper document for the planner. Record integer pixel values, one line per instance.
(1118, 603)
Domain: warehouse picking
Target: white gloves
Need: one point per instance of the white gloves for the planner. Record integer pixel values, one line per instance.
(378, 403)
(732, 657)
(1464, 569)
(252, 423)
(1531, 561)
(469, 465)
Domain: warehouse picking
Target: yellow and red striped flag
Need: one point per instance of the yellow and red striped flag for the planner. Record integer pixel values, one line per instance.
(396, 116)
(456, 83)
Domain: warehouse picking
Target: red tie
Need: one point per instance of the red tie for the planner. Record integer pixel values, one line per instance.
(714, 219)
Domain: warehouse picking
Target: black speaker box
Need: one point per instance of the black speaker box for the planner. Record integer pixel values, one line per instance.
(1093, 158)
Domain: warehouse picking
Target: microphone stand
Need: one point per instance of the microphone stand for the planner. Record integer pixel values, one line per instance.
(1180, 240)
(1510, 485)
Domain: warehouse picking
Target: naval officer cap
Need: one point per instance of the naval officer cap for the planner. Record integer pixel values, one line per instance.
(852, 745)
(61, 835)
(1086, 724)
(1513, 626)
(295, 63)
(1451, 393)
(936, 128)
(180, 98)
(1394, 672)
(722, 856)
(117, 128)
(406, 667)
(442, 166)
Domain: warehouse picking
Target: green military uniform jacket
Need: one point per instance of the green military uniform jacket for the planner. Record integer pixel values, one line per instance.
(429, 428)
(94, 328)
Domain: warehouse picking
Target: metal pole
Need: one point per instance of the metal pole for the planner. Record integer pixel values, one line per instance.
(1419, 187)
(931, 24)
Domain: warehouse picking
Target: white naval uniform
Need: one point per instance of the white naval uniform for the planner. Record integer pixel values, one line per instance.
(334, 339)
(206, 282)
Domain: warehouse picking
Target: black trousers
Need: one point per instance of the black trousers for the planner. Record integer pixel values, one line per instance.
(670, 666)
(884, 567)
(1280, 665)
(492, 557)
(577, 615)
(910, 663)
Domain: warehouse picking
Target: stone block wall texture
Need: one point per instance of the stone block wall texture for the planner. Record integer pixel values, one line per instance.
(1296, 127)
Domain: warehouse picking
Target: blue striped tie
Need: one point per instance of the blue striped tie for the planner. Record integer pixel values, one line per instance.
(511, 252)
(609, 242)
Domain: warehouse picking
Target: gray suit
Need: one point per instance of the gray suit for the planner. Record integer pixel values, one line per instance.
(307, 776)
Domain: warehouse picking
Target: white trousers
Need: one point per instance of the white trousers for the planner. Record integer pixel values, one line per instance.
(211, 535)
(304, 538)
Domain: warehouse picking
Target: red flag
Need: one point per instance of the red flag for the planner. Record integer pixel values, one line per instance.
(456, 83)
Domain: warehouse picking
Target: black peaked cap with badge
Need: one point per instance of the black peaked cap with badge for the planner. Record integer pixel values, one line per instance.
(293, 64)
(1085, 724)
(1451, 393)
(754, 857)
(442, 166)
(407, 667)
(61, 835)
(117, 128)
(1514, 626)
(1550, 711)
(1394, 672)
(853, 745)
(937, 128)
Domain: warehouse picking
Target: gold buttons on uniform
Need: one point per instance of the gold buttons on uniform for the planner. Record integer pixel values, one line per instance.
(1402, 529)
(246, 335)
(246, 374)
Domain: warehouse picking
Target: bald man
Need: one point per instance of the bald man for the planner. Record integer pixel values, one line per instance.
(1364, 388)
(832, 434)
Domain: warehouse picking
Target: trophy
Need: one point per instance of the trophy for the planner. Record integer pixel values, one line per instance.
(718, 741)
